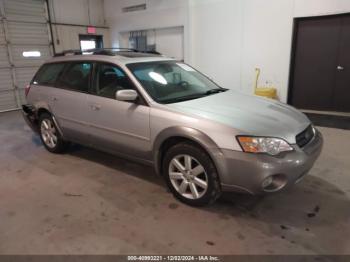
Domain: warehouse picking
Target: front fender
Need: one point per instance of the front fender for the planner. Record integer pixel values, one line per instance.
(191, 134)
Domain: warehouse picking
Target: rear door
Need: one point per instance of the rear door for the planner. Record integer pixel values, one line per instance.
(69, 100)
(117, 126)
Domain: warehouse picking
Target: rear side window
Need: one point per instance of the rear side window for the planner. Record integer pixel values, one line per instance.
(48, 74)
(76, 77)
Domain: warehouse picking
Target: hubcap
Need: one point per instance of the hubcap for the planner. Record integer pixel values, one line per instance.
(48, 133)
(188, 176)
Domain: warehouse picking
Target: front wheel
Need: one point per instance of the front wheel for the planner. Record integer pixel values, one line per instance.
(191, 175)
(50, 136)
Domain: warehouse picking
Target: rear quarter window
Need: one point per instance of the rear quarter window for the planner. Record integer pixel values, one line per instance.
(48, 74)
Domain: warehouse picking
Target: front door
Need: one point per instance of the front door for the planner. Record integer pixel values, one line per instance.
(117, 126)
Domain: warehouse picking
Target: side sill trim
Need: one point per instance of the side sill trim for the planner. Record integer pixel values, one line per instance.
(105, 128)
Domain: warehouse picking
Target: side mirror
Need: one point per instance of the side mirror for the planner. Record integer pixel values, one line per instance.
(126, 95)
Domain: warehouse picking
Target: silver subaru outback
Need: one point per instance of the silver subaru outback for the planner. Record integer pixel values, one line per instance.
(202, 138)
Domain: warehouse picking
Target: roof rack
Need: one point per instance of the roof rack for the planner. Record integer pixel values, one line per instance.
(70, 52)
(109, 51)
(104, 51)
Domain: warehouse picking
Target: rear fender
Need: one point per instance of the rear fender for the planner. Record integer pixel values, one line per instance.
(40, 107)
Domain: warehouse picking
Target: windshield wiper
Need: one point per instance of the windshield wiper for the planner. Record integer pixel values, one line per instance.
(215, 91)
(183, 98)
(194, 96)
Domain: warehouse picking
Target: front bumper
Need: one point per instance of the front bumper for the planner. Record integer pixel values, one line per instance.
(246, 172)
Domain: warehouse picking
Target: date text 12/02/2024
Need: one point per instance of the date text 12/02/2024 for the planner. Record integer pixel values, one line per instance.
(173, 258)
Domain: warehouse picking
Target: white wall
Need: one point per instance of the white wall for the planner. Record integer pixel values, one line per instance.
(77, 12)
(228, 39)
(267, 38)
(83, 12)
(259, 33)
(166, 39)
(233, 37)
(216, 29)
(305, 8)
(159, 14)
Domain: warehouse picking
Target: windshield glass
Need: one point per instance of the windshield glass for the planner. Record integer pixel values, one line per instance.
(171, 81)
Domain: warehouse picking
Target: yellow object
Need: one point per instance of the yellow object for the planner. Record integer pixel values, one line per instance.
(269, 92)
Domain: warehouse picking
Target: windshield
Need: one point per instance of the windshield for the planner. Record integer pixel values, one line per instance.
(170, 81)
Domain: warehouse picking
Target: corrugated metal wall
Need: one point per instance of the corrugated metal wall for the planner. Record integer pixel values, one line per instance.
(23, 27)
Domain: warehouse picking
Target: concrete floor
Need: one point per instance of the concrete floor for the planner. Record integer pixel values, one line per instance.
(87, 202)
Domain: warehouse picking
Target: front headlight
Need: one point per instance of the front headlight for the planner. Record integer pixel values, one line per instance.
(271, 146)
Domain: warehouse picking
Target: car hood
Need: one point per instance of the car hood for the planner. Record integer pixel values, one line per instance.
(249, 115)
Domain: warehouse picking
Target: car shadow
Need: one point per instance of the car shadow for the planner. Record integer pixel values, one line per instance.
(127, 167)
(314, 214)
(312, 208)
(307, 198)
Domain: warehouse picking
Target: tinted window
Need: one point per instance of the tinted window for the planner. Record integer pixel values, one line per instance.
(76, 77)
(110, 79)
(48, 74)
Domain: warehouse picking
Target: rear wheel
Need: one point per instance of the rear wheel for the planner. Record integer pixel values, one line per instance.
(191, 175)
(50, 136)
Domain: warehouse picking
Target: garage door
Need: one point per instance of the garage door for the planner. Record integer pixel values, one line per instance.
(24, 45)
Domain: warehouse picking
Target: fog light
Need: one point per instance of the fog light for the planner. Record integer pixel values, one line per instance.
(274, 183)
(267, 182)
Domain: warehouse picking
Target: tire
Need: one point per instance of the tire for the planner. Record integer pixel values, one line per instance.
(49, 135)
(181, 158)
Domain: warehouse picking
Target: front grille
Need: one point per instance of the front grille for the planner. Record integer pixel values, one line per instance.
(305, 137)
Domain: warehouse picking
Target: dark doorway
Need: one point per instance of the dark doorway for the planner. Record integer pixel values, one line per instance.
(90, 42)
(138, 40)
(320, 70)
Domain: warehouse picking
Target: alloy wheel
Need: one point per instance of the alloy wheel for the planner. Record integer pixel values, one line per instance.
(188, 176)
(48, 133)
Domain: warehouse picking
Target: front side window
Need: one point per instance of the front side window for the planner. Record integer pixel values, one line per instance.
(171, 81)
(76, 77)
(48, 74)
(110, 79)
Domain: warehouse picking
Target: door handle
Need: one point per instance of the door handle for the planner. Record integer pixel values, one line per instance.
(95, 107)
(340, 68)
